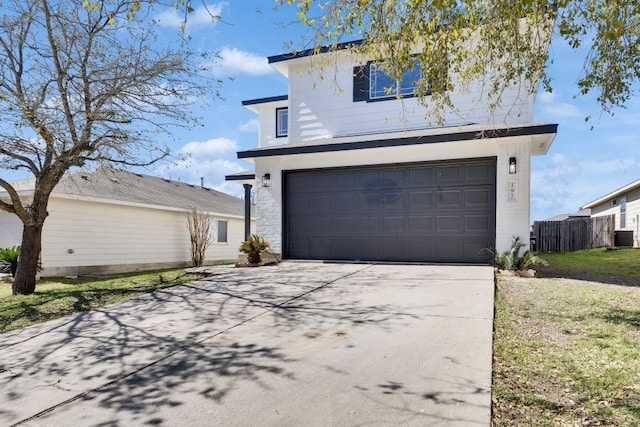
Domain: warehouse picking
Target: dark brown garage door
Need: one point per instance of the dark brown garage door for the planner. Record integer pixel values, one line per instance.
(437, 211)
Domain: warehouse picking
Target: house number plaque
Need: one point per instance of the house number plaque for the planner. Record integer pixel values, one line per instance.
(512, 190)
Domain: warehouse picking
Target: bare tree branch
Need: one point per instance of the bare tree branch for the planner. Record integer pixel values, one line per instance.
(84, 84)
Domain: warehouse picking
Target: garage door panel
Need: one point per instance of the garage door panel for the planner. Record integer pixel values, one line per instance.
(301, 184)
(477, 224)
(299, 248)
(369, 225)
(320, 246)
(345, 248)
(438, 211)
(479, 197)
(421, 200)
(421, 225)
(399, 177)
(395, 226)
(344, 225)
(472, 247)
(450, 174)
(450, 199)
(395, 200)
(423, 246)
(345, 203)
(315, 225)
(422, 176)
(448, 224)
(324, 181)
(449, 249)
(479, 173)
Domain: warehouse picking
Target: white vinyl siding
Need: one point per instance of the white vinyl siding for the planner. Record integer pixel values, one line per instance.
(104, 234)
(631, 221)
(10, 230)
(321, 107)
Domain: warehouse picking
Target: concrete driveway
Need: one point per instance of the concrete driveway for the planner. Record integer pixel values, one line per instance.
(297, 344)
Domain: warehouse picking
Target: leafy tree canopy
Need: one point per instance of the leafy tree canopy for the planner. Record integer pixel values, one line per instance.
(498, 41)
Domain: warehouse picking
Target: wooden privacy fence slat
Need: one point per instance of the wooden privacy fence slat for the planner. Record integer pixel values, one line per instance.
(575, 234)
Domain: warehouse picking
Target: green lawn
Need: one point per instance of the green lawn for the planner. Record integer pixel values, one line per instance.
(567, 351)
(609, 266)
(57, 297)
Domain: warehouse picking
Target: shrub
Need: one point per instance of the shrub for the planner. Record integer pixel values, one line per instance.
(511, 259)
(9, 259)
(253, 247)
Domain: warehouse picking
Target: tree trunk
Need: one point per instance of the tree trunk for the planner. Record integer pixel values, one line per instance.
(24, 281)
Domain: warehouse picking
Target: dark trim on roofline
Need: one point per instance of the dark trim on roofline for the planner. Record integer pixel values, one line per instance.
(240, 177)
(381, 143)
(265, 100)
(313, 51)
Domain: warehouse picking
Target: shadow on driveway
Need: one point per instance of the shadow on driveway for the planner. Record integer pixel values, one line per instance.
(312, 344)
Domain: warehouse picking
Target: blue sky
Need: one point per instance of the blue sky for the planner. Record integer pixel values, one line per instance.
(581, 165)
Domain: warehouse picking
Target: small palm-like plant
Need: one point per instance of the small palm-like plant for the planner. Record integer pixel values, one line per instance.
(253, 247)
(9, 259)
(511, 259)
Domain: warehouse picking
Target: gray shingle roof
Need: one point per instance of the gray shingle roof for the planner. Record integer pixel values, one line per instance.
(129, 187)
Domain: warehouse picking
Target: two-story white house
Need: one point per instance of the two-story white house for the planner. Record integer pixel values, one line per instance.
(346, 170)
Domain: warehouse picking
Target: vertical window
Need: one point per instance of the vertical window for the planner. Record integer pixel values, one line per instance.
(282, 122)
(382, 86)
(623, 212)
(222, 232)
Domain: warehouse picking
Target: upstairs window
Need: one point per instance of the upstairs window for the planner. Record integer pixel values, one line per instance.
(282, 122)
(371, 83)
(382, 86)
(623, 212)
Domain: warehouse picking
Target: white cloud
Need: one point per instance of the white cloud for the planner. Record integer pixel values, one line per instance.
(192, 169)
(203, 15)
(233, 61)
(251, 125)
(211, 160)
(212, 147)
(564, 184)
(552, 186)
(230, 188)
(551, 106)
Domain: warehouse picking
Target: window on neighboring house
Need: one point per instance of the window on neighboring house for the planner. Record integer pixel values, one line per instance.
(623, 212)
(371, 83)
(282, 122)
(222, 232)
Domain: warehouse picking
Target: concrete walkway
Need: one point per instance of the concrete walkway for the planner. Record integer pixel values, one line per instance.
(296, 344)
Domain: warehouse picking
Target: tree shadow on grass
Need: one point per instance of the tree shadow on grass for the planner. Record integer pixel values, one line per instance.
(552, 273)
(627, 317)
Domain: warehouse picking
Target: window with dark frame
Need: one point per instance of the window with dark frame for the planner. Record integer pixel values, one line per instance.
(222, 232)
(371, 83)
(282, 122)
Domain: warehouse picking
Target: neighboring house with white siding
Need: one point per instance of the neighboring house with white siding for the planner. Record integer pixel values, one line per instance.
(108, 220)
(624, 203)
(344, 170)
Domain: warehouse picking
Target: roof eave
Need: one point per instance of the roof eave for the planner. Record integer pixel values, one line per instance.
(613, 194)
(350, 143)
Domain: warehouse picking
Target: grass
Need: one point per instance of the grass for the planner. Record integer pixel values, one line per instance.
(57, 297)
(567, 351)
(600, 265)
